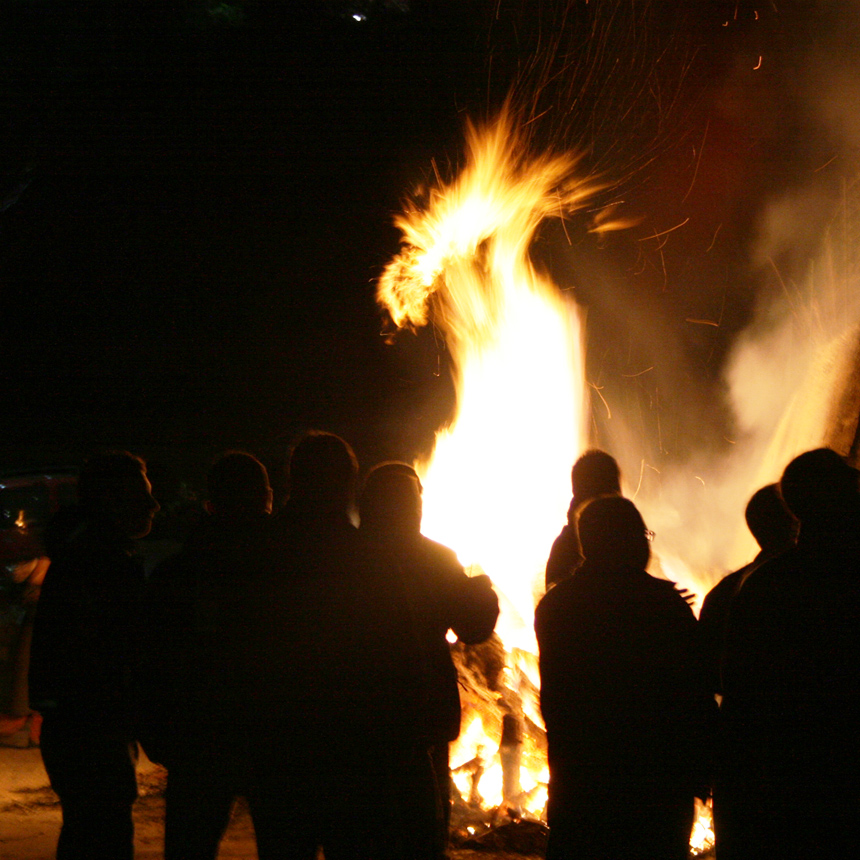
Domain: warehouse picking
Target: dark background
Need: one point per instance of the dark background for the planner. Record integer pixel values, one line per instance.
(197, 198)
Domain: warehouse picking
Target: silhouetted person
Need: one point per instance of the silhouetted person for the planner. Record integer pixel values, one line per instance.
(595, 473)
(775, 530)
(337, 695)
(625, 709)
(440, 597)
(789, 781)
(85, 652)
(195, 690)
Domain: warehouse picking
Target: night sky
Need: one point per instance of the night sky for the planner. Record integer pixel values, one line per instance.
(197, 198)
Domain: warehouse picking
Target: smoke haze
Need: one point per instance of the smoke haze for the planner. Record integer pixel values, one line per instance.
(788, 369)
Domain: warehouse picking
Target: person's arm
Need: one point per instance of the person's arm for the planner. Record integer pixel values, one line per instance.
(563, 557)
(475, 610)
(465, 604)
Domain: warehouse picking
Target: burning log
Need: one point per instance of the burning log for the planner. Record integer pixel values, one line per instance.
(475, 768)
(489, 791)
(511, 756)
(517, 837)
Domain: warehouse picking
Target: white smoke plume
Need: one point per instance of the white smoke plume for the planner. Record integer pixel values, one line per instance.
(790, 374)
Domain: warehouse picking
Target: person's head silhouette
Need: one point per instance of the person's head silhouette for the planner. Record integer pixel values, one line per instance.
(820, 489)
(322, 473)
(390, 500)
(238, 487)
(613, 535)
(769, 520)
(113, 487)
(595, 473)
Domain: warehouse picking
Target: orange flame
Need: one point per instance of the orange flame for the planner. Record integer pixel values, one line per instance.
(497, 486)
(497, 483)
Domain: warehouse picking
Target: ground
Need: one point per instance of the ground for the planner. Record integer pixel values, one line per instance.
(30, 815)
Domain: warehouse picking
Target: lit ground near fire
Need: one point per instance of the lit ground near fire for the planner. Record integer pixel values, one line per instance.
(30, 815)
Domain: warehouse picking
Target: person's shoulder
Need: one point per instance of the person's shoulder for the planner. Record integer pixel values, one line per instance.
(776, 572)
(89, 544)
(678, 592)
(664, 593)
(730, 583)
(717, 600)
(566, 612)
(439, 554)
(558, 595)
(659, 585)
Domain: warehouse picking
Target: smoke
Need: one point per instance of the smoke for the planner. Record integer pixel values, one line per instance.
(790, 373)
(722, 331)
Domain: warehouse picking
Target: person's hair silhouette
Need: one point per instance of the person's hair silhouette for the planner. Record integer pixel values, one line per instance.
(612, 534)
(238, 487)
(322, 473)
(595, 473)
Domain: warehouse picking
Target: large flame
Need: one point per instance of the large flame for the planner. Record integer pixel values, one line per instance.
(498, 477)
(497, 483)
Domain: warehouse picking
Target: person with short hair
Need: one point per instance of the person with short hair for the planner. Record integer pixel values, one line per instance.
(86, 649)
(336, 691)
(238, 489)
(595, 473)
(439, 597)
(787, 783)
(625, 708)
(775, 530)
(194, 690)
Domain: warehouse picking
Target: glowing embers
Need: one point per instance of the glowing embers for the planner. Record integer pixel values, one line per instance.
(499, 761)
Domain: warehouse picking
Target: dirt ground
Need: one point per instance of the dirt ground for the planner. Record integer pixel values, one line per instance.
(30, 815)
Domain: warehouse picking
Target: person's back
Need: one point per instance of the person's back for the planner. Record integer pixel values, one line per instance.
(439, 597)
(791, 676)
(327, 606)
(86, 643)
(87, 630)
(196, 689)
(775, 531)
(626, 714)
(336, 687)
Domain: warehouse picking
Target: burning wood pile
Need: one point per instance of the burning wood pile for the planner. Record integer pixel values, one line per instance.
(500, 743)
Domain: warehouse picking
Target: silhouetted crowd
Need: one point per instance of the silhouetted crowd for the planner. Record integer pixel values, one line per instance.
(630, 681)
(299, 660)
